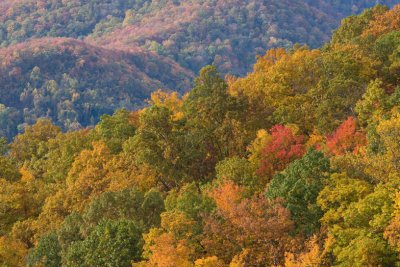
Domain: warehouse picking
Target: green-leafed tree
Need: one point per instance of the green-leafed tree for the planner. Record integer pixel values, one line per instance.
(111, 243)
(299, 186)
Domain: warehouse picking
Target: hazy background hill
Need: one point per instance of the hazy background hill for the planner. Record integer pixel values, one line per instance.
(227, 33)
(74, 83)
(114, 53)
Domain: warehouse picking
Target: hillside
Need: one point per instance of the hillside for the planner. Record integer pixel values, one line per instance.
(193, 33)
(229, 34)
(74, 83)
(295, 164)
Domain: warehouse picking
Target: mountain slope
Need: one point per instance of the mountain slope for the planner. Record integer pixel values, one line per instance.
(193, 33)
(24, 19)
(74, 83)
(228, 33)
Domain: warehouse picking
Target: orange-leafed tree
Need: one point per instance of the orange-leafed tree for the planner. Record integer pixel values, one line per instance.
(209, 262)
(384, 23)
(12, 252)
(166, 251)
(171, 244)
(257, 224)
(314, 254)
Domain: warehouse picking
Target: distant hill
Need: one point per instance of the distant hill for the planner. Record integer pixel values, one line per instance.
(74, 83)
(227, 33)
(193, 33)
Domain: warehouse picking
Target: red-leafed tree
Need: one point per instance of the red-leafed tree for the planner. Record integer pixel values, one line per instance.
(282, 148)
(346, 138)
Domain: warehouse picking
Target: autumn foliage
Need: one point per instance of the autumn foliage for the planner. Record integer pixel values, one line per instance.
(282, 148)
(347, 138)
(242, 224)
(296, 164)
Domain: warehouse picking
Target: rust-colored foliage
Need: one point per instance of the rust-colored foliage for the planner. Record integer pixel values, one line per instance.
(384, 23)
(257, 224)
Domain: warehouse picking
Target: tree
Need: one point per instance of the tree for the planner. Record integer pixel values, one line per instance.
(278, 85)
(86, 180)
(71, 230)
(312, 255)
(209, 262)
(390, 136)
(189, 200)
(46, 253)
(240, 171)
(374, 103)
(3, 146)
(338, 194)
(384, 22)
(9, 169)
(111, 243)
(213, 123)
(190, 203)
(282, 148)
(31, 144)
(392, 231)
(356, 214)
(61, 151)
(12, 252)
(299, 185)
(346, 72)
(256, 224)
(184, 147)
(87, 176)
(346, 138)
(165, 251)
(128, 204)
(170, 101)
(171, 244)
(158, 144)
(366, 250)
(352, 27)
(116, 129)
(20, 200)
(10, 118)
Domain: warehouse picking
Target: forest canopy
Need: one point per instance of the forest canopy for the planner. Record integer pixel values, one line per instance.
(294, 164)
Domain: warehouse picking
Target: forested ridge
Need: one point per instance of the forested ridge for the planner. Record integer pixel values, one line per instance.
(74, 83)
(295, 164)
(73, 61)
